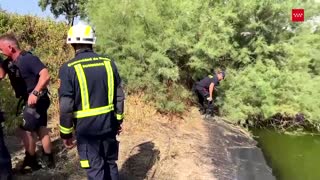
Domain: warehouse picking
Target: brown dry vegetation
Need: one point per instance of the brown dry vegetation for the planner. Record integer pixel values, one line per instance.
(152, 146)
(166, 145)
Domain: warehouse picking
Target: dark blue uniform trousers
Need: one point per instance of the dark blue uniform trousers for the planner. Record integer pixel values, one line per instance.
(98, 157)
(5, 160)
(202, 97)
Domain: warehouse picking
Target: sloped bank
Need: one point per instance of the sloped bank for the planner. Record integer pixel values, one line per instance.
(162, 147)
(235, 154)
(284, 142)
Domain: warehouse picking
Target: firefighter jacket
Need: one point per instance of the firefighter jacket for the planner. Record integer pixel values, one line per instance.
(91, 96)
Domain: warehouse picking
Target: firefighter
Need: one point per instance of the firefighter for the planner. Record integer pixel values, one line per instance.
(29, 78)
(91, 102)
(205, 87)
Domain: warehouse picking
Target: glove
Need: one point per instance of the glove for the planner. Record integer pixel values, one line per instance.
(209, 99)
(119, 129)
(69, 143)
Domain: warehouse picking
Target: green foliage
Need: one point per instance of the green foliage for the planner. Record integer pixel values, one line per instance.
(68, 8)
(150, 55)
(264, 89)
(162, 47)
(48, 39)
(8, 104)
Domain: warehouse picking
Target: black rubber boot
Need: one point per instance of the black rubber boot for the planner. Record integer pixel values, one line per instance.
(202, 110)
(48, 160)
(31, 161)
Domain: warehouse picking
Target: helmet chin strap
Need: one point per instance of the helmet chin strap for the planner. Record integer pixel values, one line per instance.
(78, 50)
(82, 49)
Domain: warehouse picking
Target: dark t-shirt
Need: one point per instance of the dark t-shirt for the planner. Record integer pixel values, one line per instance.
(24, 72)
(205, 82)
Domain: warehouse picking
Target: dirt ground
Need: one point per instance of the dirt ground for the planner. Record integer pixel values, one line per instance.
(155, 146)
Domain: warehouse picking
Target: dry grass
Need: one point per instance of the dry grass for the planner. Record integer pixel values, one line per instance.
(138, 114)
(174, 142)
(54, 111)
(155, 145)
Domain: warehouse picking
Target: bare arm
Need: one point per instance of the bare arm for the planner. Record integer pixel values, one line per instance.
(2, 73)
(211, 87)
(43, 79)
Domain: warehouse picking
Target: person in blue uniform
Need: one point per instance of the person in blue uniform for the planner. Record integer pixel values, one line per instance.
(91, 102)
(205, 88)
(29, 79)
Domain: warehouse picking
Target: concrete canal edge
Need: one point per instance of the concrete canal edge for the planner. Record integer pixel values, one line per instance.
(234, 153)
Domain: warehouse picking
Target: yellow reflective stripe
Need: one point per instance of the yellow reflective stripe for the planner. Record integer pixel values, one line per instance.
(110, 81)
(65, 130)
(94, 111)
(210, 76)
(83, 87)
(87, 31)
(92, 65)
(84, 163)
(87, 60)
(79, 61)
(119, 116)
(70, 32)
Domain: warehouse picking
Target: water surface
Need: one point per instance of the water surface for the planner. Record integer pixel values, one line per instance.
(291, 157)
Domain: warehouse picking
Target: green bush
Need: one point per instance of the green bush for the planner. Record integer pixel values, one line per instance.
(265, 90)
(162, 47)
(48, 39)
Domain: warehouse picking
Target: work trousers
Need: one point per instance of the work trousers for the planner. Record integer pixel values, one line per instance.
(98, 157)
(202, 95)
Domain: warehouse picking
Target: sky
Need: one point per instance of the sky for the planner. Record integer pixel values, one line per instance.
(25, 7)
(31, 7)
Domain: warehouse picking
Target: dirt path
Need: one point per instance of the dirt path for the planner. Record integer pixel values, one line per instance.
(164, 150)
(167, 150)
(159, 147)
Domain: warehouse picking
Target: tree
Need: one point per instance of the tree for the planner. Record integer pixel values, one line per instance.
(164, 46)
(68, 8)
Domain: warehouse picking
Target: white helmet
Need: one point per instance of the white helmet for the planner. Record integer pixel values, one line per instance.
(81, 34)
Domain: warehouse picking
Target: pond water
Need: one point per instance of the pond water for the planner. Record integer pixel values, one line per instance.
(291, 157)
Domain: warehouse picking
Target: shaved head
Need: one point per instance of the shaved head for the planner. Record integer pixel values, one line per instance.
(9, 46)
(10, 39)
